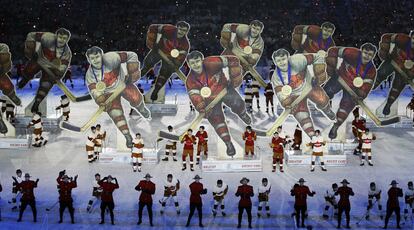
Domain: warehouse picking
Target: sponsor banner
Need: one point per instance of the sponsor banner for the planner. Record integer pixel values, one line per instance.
(14, 143)
(232, 165)
(330, 160)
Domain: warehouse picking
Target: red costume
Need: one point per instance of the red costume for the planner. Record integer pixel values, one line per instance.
(348, 72)
(189, 142)
(314, 41)
(343, 204)
(249, 138)
(202, 144)
(213, 77)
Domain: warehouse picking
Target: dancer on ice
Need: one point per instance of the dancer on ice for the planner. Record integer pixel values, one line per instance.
(219, 193)
(245, 192)
(90, 144)
(64, 105)
(171, 187)
(331, 202)
(37, 124)
(202, 137)
(197, 189)
(15, 190)
(301, 192)
(264, 191)
(170, 146)
(367, 138)
(374, 193)
(107, 200)
(28, 198)
(249, 137)
(393, 204)
(409, 200)
(99, 140)
(277, 145)
(65, 186)
(147, 188)
(189, 141)
(343, 204)
(96, 192)
(136, 153)
(106, 77)
(317, 143)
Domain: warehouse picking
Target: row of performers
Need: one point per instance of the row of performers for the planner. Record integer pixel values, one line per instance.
(346, 69)
(279, 142)
(103, 189)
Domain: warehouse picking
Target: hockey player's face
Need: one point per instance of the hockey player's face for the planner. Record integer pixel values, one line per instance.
(181, 31)
(169, 179)
(367, 56)
(196, 64)
(190, 132)
(19, 174)
(95, 60)
(255, 31)
(282, 62)
(327, 32)
(97, 178)
(219, 185)
(61, 40)
(264, 183)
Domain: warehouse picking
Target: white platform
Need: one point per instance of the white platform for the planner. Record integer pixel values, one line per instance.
(21, 142)
(111, 155)
(235, 165)
(293, 159)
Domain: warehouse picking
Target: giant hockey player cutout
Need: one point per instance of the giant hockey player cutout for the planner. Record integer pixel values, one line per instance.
(169, 45)
(52, 59)
(105, 76)
(291, 79)
(207, 78)
(355, 67)
(312, 38)
(246, 43)
(396, 51)
(6, 85)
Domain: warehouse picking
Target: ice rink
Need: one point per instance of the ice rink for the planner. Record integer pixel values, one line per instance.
(392, 157)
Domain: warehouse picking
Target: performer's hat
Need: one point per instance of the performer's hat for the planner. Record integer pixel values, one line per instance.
(27, 175)
(393, 182)
(244, 179)
(197, 177)
(302, 180)
(344, 181)
(18, 171)
(264, 179)
(63, 96)
(147, 176)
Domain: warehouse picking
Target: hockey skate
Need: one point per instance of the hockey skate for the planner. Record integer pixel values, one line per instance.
(3, 127)
(245, 118)
(333, 132)
(231, 151)
(128, 140)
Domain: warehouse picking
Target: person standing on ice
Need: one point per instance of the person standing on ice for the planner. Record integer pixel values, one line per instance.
(189, 140)
(277, 145)
(367, 138)
(28, 198)
(105, 76)
(64, 105)
(301, 192)
(107, 200)
(147, 188)
(374, 193)
(137, 151)
(249, 137)
(65, 186)
(171, 187)
(264, 191)
(37, 123)
(409, 200)
(90, 144)
(393, 204)
(100, 138)
(15, 190)
(317, 143)
(331, 202)
(245, 192)
(202, 137)
(219, 192)
(96, 192)
(344, 205)
(170, 146)
(197, 189)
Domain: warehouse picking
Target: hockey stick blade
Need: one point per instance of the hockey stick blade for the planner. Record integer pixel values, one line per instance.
(168, 136)
(83, 98)
(70, 127)
(260, 133)
(390, 121)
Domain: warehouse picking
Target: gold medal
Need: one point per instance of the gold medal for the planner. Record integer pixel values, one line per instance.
(408, 64)
(358, 82)
(56, 62)
(174, 53)
(205, 92)
(247, 50)
(286, 90)
(100, 86)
